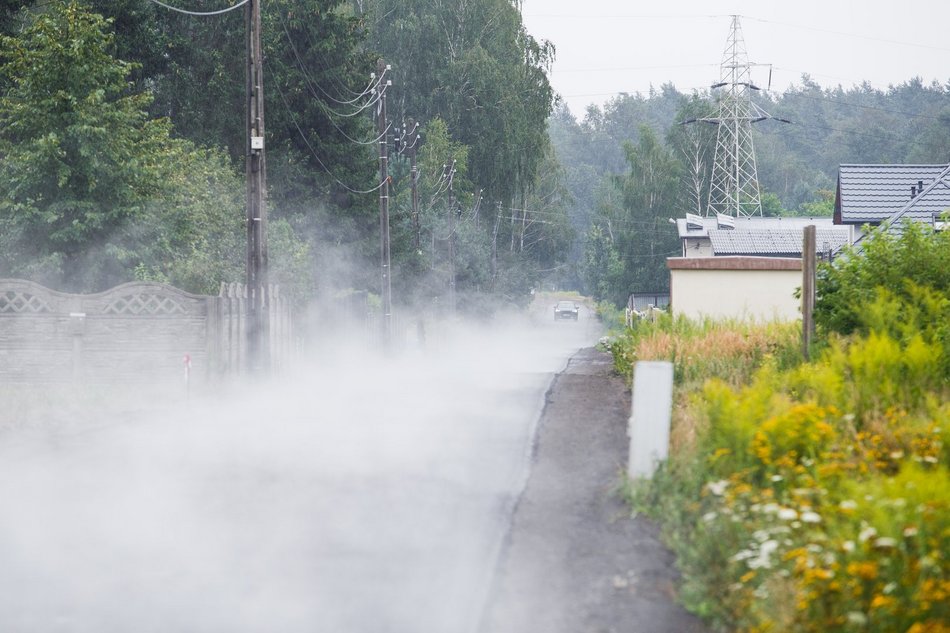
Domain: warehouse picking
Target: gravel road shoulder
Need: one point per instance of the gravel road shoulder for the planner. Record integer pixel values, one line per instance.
(574, 561)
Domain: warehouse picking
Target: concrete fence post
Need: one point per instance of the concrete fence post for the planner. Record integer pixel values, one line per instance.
(649, 427)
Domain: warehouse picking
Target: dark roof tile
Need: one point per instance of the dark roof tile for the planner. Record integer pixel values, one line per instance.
(870, 194)
(773, 242)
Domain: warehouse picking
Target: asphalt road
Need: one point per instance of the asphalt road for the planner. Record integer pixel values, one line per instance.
(420, 493)
(363, 494)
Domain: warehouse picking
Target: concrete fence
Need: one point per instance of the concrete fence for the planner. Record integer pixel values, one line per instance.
(137, 331)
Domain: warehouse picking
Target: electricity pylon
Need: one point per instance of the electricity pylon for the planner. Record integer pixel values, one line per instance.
(734, 185)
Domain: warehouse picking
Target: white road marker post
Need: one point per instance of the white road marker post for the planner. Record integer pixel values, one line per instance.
(649, 427)
(187, 361)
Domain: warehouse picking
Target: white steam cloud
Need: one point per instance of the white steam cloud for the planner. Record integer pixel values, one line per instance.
(363, 494)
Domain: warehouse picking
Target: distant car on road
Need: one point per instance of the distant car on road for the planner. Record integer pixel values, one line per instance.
(566, 310)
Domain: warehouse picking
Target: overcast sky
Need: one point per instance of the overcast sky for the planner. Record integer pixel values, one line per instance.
(605, 47)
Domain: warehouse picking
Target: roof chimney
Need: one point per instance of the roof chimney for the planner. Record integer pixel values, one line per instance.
(920, 186)
(913, 192)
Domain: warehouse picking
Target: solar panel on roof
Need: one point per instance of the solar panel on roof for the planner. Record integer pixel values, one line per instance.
(694, 221)
(725, 221)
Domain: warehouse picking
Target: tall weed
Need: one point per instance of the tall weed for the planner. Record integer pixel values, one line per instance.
(811, 497)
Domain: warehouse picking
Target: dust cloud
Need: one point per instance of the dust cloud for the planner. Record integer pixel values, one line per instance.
(358, 492)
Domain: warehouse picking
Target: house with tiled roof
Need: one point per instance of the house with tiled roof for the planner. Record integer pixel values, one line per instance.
(745, 267)
(725, 236)
(872, 194)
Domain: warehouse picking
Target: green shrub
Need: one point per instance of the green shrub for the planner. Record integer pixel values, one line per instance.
(917, 257)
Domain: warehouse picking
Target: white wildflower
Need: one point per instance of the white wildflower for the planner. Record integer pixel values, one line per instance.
(848, 504)
(867, 533)
(811, 517)
(885, 542)
(848, 546)
(743, 555)
(763, 559)
(758, 562)
(718, 488)
(787, 514)
(709, 517)
(910, 531)
(858, 618)
(777, 478)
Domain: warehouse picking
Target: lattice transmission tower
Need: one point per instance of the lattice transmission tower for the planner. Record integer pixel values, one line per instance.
(734, 184)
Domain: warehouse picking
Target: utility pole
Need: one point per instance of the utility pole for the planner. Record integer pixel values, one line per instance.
(384, 254)
(477, 207)
(414, 183)
(809, 252)
(451, 238)
(494, 247)
(258, 352)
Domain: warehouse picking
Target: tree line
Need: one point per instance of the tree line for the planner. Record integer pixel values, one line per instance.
(122, 145)
(632, 164)
(122, 150)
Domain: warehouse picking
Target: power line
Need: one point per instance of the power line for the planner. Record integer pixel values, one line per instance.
(314, 152)
(309, 80)
(201, 13)
(622, 68)
(622, 16)
(340, 130)
(855, 35)
(859, 105)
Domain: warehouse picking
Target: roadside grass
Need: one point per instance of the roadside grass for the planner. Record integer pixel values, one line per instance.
(804, 496)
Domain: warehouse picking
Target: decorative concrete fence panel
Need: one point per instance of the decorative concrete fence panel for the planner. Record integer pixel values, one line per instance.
(133, 332)
(36, 332)
(136, 331)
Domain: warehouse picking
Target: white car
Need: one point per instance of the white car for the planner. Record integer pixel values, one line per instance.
(566, 310)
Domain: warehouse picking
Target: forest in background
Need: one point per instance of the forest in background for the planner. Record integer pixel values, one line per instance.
(95, 94)
(631, 165)
(122, 150)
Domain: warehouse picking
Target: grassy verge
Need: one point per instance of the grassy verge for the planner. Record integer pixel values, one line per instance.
(803, 497)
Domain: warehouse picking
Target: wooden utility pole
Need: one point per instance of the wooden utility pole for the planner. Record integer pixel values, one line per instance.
(452, 219)
(809, 252)
(257, 315)
(414, 183)
(494, 248)
(384, 253)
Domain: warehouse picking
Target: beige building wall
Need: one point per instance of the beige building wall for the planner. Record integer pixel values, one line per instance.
(758, 288)
(697, 247)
